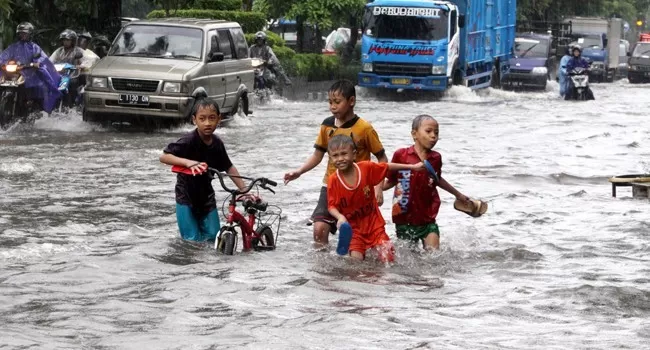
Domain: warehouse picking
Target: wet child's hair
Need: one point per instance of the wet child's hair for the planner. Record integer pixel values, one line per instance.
(339, 141)
(344, 87)
(204, 103)
(417, 122)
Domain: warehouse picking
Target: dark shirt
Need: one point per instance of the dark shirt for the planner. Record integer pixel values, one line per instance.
(196, 191)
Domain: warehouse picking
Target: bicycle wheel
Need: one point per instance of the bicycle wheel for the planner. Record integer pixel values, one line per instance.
(266, 240)
(227, 241)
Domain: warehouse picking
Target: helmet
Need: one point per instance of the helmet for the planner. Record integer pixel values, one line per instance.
(25, 27)
(576, 47)
(260, 36)
(68, 35)
(85, 35)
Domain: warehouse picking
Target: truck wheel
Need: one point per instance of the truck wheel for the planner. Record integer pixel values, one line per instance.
(495, 78)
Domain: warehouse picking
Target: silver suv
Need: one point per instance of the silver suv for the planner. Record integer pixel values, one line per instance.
(155, 68)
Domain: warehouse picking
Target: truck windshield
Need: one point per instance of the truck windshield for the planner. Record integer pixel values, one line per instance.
(527, 47)
(415, 23)
(641, 50)
(590, 42)
(159, 41)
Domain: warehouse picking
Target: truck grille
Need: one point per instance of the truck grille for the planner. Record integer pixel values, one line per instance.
(135, 85)
(643, 68)
(519, 70)
(385, 68)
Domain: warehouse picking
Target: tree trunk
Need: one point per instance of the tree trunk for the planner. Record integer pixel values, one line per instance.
(348, 51)
(247, 5)
(300, 34)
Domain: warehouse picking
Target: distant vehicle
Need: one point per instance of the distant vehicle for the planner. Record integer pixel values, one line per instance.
(432, 45)
(154, 68)
(639, 71)
(534, 62)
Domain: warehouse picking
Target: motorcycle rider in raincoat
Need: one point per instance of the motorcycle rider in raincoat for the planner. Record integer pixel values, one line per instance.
(42, 80)
(576, 61)
(264, 52)
(71, 54)
(563, 79)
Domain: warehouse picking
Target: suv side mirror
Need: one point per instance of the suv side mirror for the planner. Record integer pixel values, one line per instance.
(461, 21)
(216, 57)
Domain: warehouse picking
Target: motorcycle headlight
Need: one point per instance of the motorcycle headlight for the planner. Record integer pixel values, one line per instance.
(438, 69)
(367, 67)
(59, 67)
(99, 83)
(540, 70)
(11, 68)
(171, 87)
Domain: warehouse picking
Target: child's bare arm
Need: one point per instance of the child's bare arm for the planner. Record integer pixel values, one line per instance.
(311, 163)
(451, 189)
(340, 218)
(397, 166)
(170, 159)
(236, 180)
(388, 184)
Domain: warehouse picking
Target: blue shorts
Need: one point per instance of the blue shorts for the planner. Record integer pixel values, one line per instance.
(205, 229)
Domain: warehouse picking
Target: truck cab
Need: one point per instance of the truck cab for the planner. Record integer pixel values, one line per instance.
(431, 45)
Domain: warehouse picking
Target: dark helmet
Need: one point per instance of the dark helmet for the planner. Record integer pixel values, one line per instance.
(260, 36)
(25, 27)
(68, 35)
(85, 35)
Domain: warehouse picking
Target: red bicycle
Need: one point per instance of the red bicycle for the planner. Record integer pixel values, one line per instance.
(256, 229)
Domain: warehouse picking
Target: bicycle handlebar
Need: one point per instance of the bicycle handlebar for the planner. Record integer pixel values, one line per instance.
(262, 180)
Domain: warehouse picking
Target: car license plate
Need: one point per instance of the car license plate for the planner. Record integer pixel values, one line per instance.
(400, 81)
(133, 100)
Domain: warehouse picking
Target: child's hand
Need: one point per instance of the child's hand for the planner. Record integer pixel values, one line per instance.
(464, 198)
(340, 222)
(379, 195)
(290, 176)
(419, 166)
(196, 167)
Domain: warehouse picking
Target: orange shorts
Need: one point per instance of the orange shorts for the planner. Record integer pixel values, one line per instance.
(378, 239)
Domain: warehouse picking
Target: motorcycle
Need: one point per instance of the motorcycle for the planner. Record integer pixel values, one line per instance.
(14, 104)
(68, 72)
(264, 80)
(579, 85)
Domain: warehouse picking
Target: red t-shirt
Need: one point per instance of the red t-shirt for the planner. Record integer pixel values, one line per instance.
(357, 202)
(415, 198)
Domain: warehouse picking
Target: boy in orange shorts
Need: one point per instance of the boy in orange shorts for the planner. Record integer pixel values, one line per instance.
(350, 197)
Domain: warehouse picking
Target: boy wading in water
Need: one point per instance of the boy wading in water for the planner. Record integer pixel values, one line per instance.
(196, 208)
(351, 198)
(342, 98)
(416, 201)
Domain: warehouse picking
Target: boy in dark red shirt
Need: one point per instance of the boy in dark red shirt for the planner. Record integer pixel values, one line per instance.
(416, 201)
(351, 197)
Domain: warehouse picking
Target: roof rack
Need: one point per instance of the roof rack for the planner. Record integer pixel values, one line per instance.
(186, 20)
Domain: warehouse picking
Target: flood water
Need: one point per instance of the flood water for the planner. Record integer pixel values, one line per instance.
(90, 255)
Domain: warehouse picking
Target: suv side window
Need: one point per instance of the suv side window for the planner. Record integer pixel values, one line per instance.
(240, 42)
(224, 43)
(213, 44)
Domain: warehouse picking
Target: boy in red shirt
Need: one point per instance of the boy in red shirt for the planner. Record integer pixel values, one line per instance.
(416, 201)
(351, 198)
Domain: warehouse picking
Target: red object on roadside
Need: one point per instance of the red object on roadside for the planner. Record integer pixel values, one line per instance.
(644, 37)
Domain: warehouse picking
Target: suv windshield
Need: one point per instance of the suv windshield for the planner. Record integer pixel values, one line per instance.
(160, 42)
(415, 23)
(641, 50)
(527, 47)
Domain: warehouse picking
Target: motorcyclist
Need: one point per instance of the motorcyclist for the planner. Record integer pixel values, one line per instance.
(41, 83)
(576, 61)
(90, 58)
(68, 53)
(564, 82)
(264, 52)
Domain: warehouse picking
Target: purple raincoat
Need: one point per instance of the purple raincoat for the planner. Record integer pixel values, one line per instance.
(45, 80)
